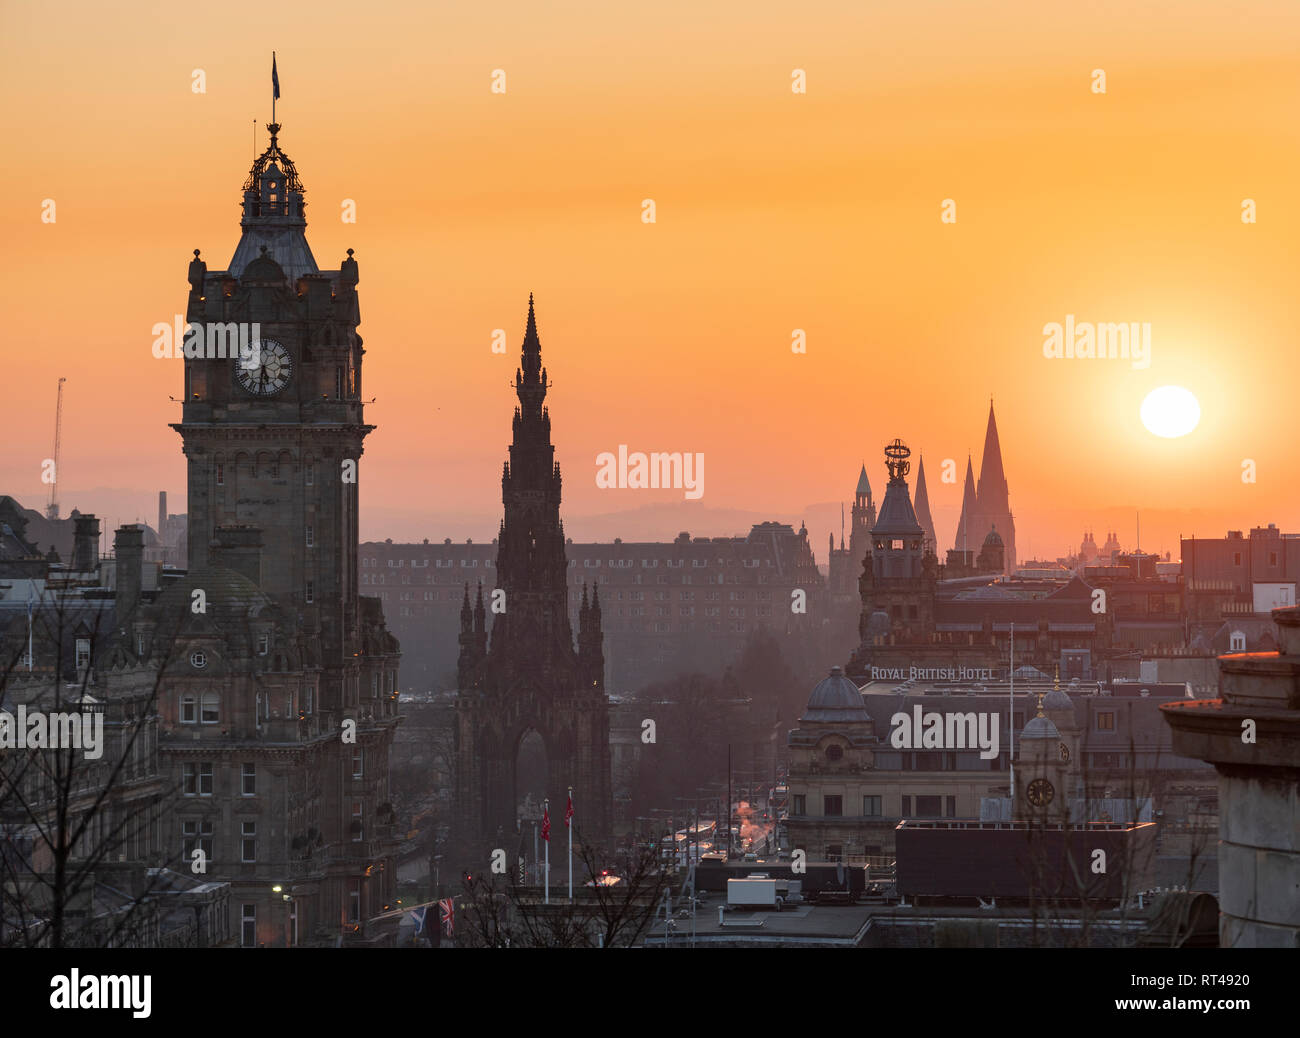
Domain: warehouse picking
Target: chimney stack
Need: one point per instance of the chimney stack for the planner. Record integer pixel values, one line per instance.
(238, 548)
(85, 543)
(162, 515)
(128, 544)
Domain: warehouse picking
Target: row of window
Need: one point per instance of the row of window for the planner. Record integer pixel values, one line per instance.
(198, 777)
(873, 806)
(586, 563)
(272, 471)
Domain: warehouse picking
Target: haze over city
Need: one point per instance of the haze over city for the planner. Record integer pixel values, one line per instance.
(1123, 207)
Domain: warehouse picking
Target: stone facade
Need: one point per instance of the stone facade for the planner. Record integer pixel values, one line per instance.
(1251, 734)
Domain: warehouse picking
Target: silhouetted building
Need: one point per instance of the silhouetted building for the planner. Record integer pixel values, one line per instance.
(264, 652)
(669, 607)
(1232, 584)
(915, 613)
(530, 677)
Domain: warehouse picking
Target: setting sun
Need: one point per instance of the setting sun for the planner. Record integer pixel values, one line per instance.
(1170, 411)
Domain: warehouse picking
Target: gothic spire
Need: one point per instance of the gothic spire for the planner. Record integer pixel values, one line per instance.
(923, 509)
(969, 510)
(992, 494)
(864, 484)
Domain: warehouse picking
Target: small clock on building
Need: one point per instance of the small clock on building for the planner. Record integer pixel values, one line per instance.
(1040, 792)
(270, 375)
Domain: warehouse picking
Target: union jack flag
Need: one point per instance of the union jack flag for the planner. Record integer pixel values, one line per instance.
(448, 908)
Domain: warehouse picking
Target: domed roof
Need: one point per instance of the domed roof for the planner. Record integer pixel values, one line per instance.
(229, 595)
(835, 698)
(1040, 728)
(264, 269)
(993, 538)
(1057, 700)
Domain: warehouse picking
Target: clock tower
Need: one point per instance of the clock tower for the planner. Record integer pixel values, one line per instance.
(279, 681)
(1042, 770)
(273, 431)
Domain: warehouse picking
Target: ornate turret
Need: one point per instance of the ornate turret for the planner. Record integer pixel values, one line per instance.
(274, 215)
(591, 654)
(896, 589)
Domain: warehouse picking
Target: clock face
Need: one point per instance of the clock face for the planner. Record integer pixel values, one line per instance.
(1040, 792)
(271, 374)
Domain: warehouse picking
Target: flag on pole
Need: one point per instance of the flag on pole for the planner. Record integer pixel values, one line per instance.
(275, 79)
(448, 908)
(546, 825)
(417, 916)
(568, 811)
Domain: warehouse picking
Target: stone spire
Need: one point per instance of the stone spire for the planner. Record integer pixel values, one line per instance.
(965, 539)
(993, 505)
(534, 634)
(923, 510)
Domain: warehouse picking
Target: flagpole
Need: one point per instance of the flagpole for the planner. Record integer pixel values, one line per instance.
(272, 87)
(568, 824)
(546, 871)
(1011, 718)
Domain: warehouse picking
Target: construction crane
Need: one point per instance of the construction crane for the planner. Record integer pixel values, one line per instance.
(52, 509)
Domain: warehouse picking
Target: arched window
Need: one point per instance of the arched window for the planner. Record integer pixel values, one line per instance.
(1237, 642)
(210, 712)
(834, 751)
(189, 708)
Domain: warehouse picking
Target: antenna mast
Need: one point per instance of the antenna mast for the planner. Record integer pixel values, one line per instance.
(52, 509)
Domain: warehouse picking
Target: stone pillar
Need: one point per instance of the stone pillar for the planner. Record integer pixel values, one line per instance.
(1251, 735)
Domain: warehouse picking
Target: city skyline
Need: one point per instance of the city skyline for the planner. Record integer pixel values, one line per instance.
(697, 310)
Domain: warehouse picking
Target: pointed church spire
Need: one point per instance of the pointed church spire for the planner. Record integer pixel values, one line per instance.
(530, 378)
(969, 507)
(993, 480)
(466, 616)
(992, 497)
(922, 509)
(864, 484)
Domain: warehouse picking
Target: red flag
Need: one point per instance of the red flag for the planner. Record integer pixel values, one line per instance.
(546, 825)
(568, 811)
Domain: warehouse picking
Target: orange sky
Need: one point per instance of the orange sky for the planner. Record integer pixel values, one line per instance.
(775, 211)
